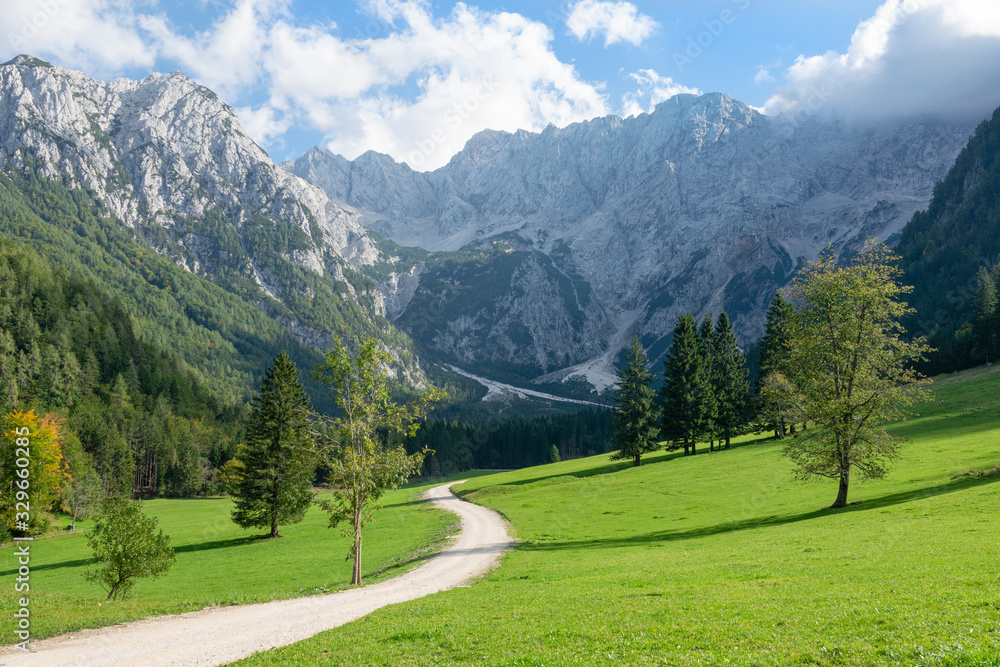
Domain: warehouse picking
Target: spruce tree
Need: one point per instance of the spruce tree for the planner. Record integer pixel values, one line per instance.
(732, 391)
(682, 407)
(709, 400)
(634, 418)
(774, 348)
(275, 486)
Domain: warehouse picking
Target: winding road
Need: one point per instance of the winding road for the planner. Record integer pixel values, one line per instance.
(221, 635)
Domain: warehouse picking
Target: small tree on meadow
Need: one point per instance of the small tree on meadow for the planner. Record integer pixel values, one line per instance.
(361, 459)
(274, 487)
(636, 432)
(126, 547)
(83, 495)
(854, 368)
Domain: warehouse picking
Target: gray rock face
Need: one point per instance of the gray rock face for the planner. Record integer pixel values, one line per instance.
(160, 148)
(701, 206)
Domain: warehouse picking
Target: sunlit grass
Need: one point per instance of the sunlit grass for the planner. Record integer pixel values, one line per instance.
(725, 559)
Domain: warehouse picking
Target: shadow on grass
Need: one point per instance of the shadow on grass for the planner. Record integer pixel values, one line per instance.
(618, 466)
(759, 522)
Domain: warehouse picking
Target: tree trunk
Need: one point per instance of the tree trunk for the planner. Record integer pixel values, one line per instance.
(356, 576)
(274, 525)
(727, 441)
(841, 501)
(694, 447)
(637, 460)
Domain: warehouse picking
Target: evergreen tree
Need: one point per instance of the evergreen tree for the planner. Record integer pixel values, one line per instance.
(732, 392)
(985, 315)
(634, 418)
(682, 396)
(709, 401)
(275, 487)
(774, 350)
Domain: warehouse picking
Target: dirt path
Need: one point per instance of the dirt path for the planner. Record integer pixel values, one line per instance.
(221, 635)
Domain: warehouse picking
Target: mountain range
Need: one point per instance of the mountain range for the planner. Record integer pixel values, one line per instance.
(529, 257)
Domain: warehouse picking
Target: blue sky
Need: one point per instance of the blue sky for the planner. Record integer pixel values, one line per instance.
(416, 79)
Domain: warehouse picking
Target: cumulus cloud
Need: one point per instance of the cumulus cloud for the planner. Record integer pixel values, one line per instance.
(652, 90)
(913, 57)
(617, 21)
(471, 71)
(99, 35)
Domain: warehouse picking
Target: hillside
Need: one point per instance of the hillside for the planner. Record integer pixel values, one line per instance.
(725, 559)
(152, 186)
(943, 247)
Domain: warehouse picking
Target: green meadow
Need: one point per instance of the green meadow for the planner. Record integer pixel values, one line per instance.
(725, 559)
(219, 563)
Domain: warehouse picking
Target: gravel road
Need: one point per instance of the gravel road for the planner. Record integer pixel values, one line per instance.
(220, 635)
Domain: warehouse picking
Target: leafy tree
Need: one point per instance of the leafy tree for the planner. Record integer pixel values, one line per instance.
(276, 485)
(731, 389)
(126, 547)
(635, 418)
(554, 454)
(780, 402)
(83, 495)
(984, 321)
(686, 383)
(37, 442)
(361, 457)
(854, 368)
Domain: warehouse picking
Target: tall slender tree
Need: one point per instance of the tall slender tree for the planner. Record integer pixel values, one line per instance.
(709, 400)
(636, 432)
(364, 457)
(685, 382)
(732, 391)
(774, 352)
(275, 487)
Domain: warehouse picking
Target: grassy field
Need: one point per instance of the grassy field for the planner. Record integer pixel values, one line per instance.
(725, 559)
(219, 563)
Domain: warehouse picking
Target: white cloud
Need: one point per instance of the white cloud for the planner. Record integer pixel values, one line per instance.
(100, 36)
(652, 90)
(763, 75)
(470, 71)
(913, 57)
(617, 21)
(227, 56)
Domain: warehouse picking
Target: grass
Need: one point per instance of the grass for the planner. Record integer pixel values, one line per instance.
(725, 559)
(219, 563)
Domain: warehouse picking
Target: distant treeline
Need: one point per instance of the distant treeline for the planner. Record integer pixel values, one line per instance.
(512, 444)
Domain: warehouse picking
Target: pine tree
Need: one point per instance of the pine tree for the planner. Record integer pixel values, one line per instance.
(685, 387)
(985, 316)
(732, 392)
(634, 417)
(275, 487)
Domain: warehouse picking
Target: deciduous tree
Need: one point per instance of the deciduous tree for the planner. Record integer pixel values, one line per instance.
(126, 547)
(361, 456)
(854, 366)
